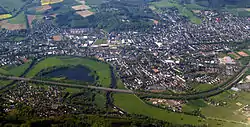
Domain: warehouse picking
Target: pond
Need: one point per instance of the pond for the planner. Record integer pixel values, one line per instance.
(79, 73)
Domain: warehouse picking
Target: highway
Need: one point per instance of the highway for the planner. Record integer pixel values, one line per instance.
(146, 94)
(66, 84)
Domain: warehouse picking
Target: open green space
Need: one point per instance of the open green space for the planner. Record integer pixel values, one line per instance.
(203, 87)
(12, 6)
(18, 70)
(101, 41)
(94, 2)
(226, 107)
(4, 82)
(183, 10)
(133, 104)
(3, 71)
(102, 69)
(100, 100)
(19, 19)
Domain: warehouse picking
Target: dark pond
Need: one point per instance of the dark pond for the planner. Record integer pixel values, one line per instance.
(79, 73)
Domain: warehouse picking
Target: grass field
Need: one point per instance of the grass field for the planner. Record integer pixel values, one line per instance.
(231, 113)
(17, 71)
(94, 2)
(184, 11)
(100, 100)
(12, 6)
(102, 69)
(101, 41)
(3, 71)
(19, 19)
(4, 82)
(47, 2)
(133, 104)
(203, 87)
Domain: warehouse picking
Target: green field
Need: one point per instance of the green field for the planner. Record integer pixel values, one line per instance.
(3, 71)
(102, 69)
(133, 104)
(101, 41)
(17, 71)
(94, 2)
(5, 82)
(230, 113)
(184, 11)
(19, 19)
(203, 87)
(12, 6)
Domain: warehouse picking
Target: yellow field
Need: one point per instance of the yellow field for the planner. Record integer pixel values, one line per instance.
(47, 2)
(4, 16)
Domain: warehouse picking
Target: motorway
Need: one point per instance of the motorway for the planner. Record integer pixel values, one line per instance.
(145, 94)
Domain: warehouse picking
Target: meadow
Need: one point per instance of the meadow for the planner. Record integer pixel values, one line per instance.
(132, 104)
(19, 19)
(12, 6)
(184, 11)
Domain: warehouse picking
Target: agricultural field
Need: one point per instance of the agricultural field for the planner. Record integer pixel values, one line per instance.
(43, 8)
(4, 82)
(15, 23)
(133, 104)
(80, 7)
(101, 41)
(184, 11)
(4, 16)
(102, 69)
(18, 70)
(203, 87)
(229, 106)
(19, 19)
(85, 13)
(83, 10)
(31, 18)
(94, 2)
(12, 6)
(47, 2)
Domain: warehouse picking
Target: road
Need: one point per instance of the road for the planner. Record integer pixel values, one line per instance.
(66, 84)
(147, 94)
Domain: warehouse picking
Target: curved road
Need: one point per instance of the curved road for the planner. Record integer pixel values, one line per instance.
(147, 94)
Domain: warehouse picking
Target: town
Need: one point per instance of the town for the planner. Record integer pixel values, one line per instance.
(169, 56)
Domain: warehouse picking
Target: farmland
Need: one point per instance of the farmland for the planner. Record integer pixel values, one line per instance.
(4, 16)
(18, 70)
(184, 11)
(133, 104)
(47, 2)
(94, 2)
(230, 108)
(19, 19)
(80, 7)
(85, 13)
(43, 8)
(15, 23)
(12, 6)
